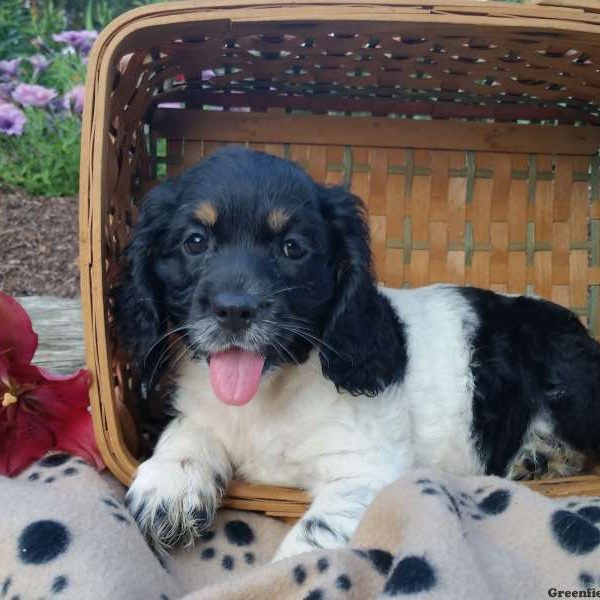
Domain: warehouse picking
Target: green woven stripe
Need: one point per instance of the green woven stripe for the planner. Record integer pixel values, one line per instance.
(152, 155)
(595, 242)
(483, 247)
(533, 177)
(409, 168)
(593, 309)
(595, 179)
(469, 243)
(516, 174)
(470, 176)
(407, 240)
(530, 244)
(348, 165)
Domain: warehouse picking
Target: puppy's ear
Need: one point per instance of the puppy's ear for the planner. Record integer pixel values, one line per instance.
(138, 299)
(367, 341)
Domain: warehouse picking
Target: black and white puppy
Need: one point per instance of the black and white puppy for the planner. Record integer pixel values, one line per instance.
(300, 371)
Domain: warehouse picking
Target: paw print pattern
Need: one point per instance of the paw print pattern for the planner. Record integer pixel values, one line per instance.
(478, 506)
(40, 543)
(117, 509)
(239, 535)
(587, 581)
(576, 530)
(381, 560)
(316, 576)
(411, 575)
(54, 467)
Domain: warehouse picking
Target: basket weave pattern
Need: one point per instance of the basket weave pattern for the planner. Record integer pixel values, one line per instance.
(469, 129)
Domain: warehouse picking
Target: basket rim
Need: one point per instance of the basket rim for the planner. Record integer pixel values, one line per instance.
(566, 16)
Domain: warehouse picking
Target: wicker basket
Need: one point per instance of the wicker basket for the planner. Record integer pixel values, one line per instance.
(469, 128)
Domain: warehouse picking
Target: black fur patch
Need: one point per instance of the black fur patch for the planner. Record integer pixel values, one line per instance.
(531, 355)
(343, 582)
(228, 562)
(312, 525)
(329, 286)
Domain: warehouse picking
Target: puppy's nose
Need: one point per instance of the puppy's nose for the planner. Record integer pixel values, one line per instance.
(234, 310)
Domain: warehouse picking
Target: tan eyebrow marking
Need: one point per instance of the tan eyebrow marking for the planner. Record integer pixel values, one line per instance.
(277, 219)
(206, 213)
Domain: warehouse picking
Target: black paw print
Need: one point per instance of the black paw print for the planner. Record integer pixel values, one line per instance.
(410, 575)
(576, 526)
(240, 535)
(305, 575)
(478, 505)
(55, 466)
(587, 580)
(40, 543)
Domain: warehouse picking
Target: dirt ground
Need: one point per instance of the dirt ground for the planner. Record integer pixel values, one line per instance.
(38, 245)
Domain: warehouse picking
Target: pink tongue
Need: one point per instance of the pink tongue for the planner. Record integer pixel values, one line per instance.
(235, 375)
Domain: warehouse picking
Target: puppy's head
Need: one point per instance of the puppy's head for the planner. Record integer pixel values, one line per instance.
(253, 264)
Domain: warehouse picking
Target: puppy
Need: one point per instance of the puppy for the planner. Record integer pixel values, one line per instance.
(299, 371)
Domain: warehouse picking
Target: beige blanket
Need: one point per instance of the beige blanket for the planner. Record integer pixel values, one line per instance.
(65, 534)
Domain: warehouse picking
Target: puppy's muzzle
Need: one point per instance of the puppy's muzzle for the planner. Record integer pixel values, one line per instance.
(234, 311)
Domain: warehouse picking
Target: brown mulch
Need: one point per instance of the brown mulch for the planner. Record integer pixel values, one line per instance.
(38, 245)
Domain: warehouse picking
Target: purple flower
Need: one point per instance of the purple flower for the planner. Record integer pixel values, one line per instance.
(10, 68)
(6, 90)
(33, 95)
(74, 99)
(80, 40)
(39, 62)
(12, 120)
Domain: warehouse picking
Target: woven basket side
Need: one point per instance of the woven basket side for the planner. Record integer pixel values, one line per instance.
(478, 214)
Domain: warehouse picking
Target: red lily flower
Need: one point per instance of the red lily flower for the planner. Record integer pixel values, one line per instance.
(39, 411)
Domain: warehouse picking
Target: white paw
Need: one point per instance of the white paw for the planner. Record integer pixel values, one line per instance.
(174, 501)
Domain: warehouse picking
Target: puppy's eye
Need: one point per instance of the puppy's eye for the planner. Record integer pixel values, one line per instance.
(292, 249)
(196, 243)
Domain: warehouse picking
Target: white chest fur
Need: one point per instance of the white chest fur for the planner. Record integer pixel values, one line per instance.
(300, 431)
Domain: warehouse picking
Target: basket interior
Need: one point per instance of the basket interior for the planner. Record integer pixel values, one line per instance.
(473, 142)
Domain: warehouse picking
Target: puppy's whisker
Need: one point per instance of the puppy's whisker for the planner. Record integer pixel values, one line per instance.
(164, 337)
(306, 335)
(290, 289)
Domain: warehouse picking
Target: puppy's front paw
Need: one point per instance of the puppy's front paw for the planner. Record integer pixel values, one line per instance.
(173, 501)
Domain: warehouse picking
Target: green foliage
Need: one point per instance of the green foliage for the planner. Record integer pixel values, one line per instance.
(16, 29)
(45, 159)
(47, 17)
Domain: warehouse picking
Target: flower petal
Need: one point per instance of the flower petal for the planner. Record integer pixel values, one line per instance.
(18, 341)
(76, 436)
(53, 394)
(23, 442)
